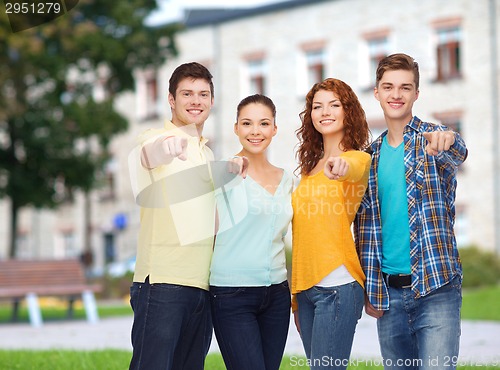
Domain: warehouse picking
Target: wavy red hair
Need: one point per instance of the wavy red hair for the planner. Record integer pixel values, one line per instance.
(356, 131)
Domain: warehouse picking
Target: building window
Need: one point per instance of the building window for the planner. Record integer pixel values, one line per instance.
(461, 226)
(448, 53)
(151, 97)
(69, 244)
(452, 120)
(256, 75)
(377, 50)
(108, 191)
(315, 66)
(147, 95)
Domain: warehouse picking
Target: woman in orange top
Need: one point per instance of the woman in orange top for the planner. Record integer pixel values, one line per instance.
(327, 279)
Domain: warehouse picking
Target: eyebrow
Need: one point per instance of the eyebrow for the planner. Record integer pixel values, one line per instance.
(331, 101)
(189, 90)
(391, 84)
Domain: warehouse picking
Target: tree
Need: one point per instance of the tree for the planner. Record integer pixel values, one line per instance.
(54, 133)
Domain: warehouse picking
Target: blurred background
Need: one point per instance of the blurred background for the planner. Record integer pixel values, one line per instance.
(78, 90)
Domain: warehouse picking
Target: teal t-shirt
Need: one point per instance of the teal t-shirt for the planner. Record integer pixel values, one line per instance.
(394, 210)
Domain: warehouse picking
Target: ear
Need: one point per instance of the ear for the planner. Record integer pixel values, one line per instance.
(235, 128)
(375, 93)
(171, 100)
(417, 94)
(275, 131)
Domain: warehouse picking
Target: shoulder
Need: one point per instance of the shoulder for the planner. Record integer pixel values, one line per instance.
(150, 134)
(359, 155)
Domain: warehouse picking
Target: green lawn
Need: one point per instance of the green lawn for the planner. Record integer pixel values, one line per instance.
(481, 304)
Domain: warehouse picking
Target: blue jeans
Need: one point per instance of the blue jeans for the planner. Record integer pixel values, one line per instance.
(328, 317)
(172, 327)
(251, 325)
(422, 333)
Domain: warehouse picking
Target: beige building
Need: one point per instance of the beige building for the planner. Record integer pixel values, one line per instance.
(281, 50)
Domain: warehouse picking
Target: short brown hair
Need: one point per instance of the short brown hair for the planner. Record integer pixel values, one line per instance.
(192, 70)
(395, 62)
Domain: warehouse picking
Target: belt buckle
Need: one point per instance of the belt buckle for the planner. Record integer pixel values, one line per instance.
(406, 286)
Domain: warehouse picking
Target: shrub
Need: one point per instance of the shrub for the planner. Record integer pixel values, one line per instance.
(480, 267)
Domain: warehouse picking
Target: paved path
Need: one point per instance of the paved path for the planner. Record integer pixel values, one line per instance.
(480, 342)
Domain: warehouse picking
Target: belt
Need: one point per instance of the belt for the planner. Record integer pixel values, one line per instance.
(397, 281)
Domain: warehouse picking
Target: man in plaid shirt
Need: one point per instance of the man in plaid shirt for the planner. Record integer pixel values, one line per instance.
(404, 229)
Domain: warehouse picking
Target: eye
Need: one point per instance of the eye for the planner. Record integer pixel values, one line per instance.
(265, 123)
(205, 95)
(317, 107)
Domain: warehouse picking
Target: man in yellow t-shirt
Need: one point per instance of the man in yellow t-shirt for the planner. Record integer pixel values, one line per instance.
(172, 182)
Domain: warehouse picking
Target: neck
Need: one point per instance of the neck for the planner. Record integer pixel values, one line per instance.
(332, 146)
(190, 129)
(395, 129)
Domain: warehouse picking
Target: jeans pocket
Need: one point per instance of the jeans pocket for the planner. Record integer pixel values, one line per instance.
(284, 285)
(134, 293)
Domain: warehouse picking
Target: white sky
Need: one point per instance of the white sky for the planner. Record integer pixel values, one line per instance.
(171, 10)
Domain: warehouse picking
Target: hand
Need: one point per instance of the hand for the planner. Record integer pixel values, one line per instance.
(174, 147)
(438, 141)
(336, 167)
(296, 320)
(239, 165)
(372, 311)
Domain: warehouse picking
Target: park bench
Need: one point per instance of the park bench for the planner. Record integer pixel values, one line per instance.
(30, 279)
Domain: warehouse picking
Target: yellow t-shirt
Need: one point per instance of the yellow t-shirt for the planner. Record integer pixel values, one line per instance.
(177, 214)
(323, 211)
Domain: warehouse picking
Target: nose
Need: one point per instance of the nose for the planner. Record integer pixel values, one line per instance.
(325, 111)
(196, 99)
(255, 129)
(396, 93)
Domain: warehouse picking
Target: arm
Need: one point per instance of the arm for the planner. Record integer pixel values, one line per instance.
(350, 166)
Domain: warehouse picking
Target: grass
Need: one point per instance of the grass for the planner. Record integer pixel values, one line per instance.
(119, 360)
(481, 303)
(54, 309)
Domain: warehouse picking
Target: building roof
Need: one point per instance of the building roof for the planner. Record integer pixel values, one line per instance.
(197, 17)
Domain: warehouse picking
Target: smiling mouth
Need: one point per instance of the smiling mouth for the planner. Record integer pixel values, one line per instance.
(327, 122)
(255, 141)
(195, 111)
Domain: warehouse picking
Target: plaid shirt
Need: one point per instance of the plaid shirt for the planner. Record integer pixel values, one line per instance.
(430, 189)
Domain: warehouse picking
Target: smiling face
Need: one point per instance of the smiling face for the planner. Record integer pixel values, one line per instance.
(396, 92)
(192, 102)
(255, 128)
(328, 114)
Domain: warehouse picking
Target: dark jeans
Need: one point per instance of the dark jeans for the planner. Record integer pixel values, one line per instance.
(172, 327)
(251, 325)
